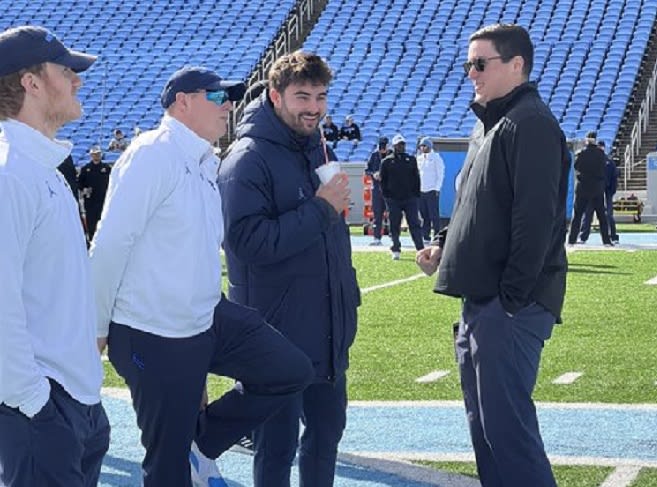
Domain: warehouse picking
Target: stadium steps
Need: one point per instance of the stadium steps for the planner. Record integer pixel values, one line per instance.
(637, 181)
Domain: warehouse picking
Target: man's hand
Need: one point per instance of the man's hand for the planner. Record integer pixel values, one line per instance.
(336, 192)
(102, 343)
(428, 259)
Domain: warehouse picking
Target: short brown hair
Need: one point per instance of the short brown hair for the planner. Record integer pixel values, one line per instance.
(12, 93)
(299, 67)
(510, 40)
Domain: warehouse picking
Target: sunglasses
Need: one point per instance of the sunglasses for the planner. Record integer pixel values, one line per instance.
(478, 63)
(218, 97)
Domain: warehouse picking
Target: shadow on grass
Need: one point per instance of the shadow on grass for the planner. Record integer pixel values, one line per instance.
(597, 269)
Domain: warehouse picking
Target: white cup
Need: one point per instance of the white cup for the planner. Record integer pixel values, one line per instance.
(327, 171)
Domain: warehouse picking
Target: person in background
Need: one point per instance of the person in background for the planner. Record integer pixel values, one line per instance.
(350, 130)
(119, 142)
(53, 428)
(92, 182)
(157, 274)
(70, 173)
(432, 174)
(611, 184)
(330, 131)
(503, 256)
(400, 185)
(590, 163)
(289, 256)
(378, 203)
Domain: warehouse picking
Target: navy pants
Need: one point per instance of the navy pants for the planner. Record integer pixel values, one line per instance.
(579, 207)
(430, 212)
(63, 445)
(585, 231)
(498, 358)
(410, 209)
(166, 377)
(378, 208)
(322, 409)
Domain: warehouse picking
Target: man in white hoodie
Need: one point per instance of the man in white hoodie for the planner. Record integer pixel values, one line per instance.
(432, 173)
(53, 429)
(157, 273)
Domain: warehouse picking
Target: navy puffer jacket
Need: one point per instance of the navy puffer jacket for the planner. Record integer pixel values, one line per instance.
(288, 252)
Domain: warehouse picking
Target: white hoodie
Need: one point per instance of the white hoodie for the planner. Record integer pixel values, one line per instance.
(47, 311)
(432, 171)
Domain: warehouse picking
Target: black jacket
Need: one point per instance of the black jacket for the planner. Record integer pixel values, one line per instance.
(400, 177)
(590, 165)
(96, 177)
(508, 227)
(67, 168)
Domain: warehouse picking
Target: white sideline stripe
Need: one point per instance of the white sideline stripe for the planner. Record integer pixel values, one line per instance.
(652, 282)
(401, 467)
(124, 393)
(432, 376)
(650, 407)
(392, 283)
(469, 457)
(567, 378)
(623, 476)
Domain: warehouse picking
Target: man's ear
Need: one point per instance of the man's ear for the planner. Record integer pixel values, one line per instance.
(31, 83)
(275, 97)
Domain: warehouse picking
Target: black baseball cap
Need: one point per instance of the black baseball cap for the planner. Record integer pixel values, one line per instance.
(26, 46)
(195, 78)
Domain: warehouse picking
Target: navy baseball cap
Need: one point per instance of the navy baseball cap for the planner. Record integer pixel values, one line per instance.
(28, 45)
(193, 79)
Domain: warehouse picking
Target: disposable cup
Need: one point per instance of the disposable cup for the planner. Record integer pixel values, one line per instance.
(327, 171)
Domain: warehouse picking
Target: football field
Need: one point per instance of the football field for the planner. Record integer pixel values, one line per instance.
(596, 390)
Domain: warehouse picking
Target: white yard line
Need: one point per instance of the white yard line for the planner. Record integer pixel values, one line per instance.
(392, 283)
(623, 476)
(469, 457)
(543, 405)
(652, 282)
(432, 376)
(567, 378)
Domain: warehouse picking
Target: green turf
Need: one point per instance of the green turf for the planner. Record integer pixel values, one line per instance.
(405, 332)
(607, 333)
(647, 478)
(565, 475)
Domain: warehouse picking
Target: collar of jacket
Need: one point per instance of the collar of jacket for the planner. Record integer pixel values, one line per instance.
(189, 141)
(260, 121)
(497, 108)
(48, 152)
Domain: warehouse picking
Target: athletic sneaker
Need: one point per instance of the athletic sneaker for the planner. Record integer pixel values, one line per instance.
(204, 470)
(396, 255)
(376, 242)
(244, 445)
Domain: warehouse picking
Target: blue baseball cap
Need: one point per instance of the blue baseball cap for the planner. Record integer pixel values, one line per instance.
(26, 46)
(195, 78)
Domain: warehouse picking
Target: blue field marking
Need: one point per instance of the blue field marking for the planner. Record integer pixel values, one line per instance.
(612, 434)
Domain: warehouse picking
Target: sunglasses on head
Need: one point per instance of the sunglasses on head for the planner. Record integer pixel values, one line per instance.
(478, 63)
(218, 97)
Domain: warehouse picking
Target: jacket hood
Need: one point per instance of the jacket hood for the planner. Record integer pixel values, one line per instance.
(260, 121)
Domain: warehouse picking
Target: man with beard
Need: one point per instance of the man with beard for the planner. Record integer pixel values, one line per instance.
(53, 429)
(288, 255)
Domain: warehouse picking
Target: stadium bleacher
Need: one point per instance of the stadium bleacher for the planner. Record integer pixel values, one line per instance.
(397, 63)
(140, 44)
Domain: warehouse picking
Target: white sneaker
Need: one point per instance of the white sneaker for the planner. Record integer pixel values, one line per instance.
(376, 242)
(204, 470)
(396, 255)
